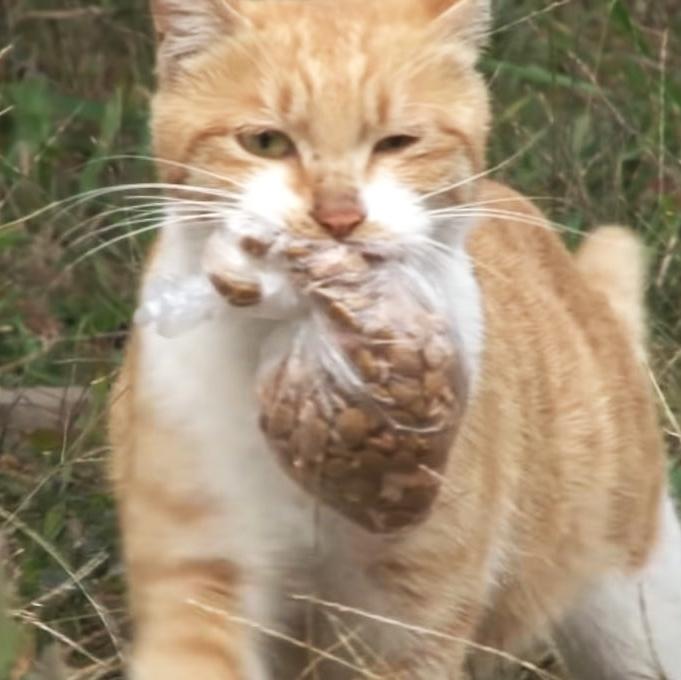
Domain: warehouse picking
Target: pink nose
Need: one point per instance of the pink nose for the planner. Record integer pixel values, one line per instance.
(340, 216)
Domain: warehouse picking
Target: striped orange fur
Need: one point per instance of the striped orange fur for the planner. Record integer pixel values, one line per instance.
(553, 516)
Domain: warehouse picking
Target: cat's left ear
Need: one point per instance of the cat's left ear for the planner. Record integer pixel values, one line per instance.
(467, 20)
(187, 27)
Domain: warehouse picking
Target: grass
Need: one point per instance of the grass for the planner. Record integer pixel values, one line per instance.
(588, 120)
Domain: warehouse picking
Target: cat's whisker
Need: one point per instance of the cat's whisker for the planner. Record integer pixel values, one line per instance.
(123, 237)
(174, 200)
(493, 212)
(72, 202)
(522, 218)
(528, 17)
(432, 247)
(98, 217)
(153, 207)
(486, 173)
(111, 242)
(477, 204)
(142, 219)
(175, 164)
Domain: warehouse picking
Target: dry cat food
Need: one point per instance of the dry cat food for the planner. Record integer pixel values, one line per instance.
(366, 400)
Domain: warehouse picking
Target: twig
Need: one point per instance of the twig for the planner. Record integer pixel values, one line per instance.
(52, 552)
(33, 621)
(661, 675)
(421, 630)
(667, 409)
(59, 15)
(282, 636)
(67, 585)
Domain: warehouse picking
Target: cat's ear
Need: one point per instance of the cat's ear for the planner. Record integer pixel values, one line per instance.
(468, 20)
(186, 27)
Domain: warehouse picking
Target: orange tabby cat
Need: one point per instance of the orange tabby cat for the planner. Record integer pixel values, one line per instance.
(366, 120)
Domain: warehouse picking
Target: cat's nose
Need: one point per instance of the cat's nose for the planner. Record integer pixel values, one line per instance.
(339, 215)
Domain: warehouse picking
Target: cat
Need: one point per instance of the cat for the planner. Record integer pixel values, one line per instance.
(366, 120)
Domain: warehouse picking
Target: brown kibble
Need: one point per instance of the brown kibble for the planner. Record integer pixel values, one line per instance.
(417, 497)
(356, 302)
(381, 394)
(355, 263)
(309, 413)
(385, 443)
(367, 364)
(372, 256)
(392, 489)
(447, 395)
(360, 489)
(403, 418)
(435, 458)
(361, 448)
(435, 352)
(417, 443)
(336, 262)
(336, 468)
(375, 420)
(434, 382)
(378, 328)
(254, 246)
(298, 251)
(420, 410)
(405, 392)
(238, 293)
(281, 421)
(404, 460)
(339, 451)
(405, 360)
(353, 427)
(313, 438)
(339, 313)
(373, 463)
(398, 519)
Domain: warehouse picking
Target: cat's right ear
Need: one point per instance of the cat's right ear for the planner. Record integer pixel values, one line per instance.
(469, 20)
(186, 27)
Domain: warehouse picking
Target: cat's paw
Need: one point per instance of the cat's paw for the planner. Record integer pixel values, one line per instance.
(245, 272)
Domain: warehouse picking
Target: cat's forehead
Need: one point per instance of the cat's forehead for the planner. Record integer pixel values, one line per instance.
(327, 43)
(329, 64)
(325, 71)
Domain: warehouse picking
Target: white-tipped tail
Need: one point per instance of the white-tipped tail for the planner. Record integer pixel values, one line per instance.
(612, 260)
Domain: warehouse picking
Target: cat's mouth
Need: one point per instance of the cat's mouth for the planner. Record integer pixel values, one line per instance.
(258, 271)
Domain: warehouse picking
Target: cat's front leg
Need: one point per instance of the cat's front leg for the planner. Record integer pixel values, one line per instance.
(190, 573)
(188, 599)
(184, 643)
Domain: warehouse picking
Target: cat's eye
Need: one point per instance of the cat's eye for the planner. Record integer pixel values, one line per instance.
(268, 143)
(395, 143)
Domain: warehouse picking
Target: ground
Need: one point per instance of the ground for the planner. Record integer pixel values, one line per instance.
(587, 100)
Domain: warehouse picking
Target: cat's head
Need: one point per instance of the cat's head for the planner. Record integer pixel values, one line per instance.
(324, 118)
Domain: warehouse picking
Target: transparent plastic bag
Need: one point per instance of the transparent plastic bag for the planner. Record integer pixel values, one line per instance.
(361, 390)
(177, 304)
(362, 401)
(234, 268)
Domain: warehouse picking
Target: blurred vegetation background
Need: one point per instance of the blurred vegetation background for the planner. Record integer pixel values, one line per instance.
(587, 98)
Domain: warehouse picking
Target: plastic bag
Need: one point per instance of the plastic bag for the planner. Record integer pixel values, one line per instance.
(363, 401)
(362, 392)
(178, 304)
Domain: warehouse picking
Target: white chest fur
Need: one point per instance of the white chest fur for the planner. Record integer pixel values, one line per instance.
(203, 384)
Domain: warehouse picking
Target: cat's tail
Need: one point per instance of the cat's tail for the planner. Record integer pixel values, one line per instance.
(613, 261)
